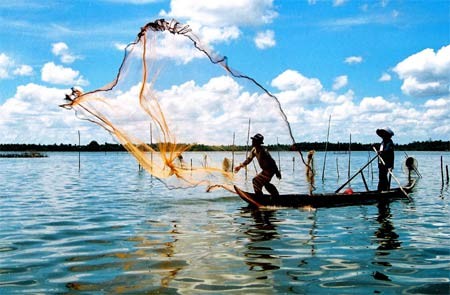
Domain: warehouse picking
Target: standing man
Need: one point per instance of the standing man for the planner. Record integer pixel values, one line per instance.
(267, 164)
(386, 152)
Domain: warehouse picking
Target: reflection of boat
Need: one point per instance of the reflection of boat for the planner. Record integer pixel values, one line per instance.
(326, 199)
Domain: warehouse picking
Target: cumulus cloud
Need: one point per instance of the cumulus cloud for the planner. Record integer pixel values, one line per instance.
(265, 39)
(339, 82)
(23, 70)
(220, 21)
(32, 115)
(5, 65)
(425, 73)
(212, 13)
(57, 74)
(61, 50)
(8, 68)
(353, 60)
(294, 86)
(385, 77)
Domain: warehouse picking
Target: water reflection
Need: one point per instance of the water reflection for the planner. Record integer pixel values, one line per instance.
(387, 238)
(259, 256)
(149, 266)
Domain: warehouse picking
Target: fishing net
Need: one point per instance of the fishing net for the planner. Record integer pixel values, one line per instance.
(171, 92)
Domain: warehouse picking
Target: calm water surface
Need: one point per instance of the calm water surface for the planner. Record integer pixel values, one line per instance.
(110, 229)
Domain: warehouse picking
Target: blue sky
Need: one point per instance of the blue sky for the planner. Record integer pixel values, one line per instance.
(368, 64)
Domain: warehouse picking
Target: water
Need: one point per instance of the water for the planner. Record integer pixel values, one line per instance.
(110, 229)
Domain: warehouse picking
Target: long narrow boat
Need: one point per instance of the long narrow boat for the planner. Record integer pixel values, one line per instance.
(325, 199)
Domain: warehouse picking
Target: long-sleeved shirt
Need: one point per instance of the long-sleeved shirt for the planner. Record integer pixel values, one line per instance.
(387, 152)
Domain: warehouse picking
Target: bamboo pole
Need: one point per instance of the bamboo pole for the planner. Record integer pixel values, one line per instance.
(326, 149)
(337, 167)
(79, 151)
(246, 148)
(392, 174)
(279, 160)
(446, 169)
(349, 154)
(232, 153)
(354, 175)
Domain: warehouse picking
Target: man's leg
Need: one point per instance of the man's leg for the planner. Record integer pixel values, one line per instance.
(272, 189)
(258, 182)
(382, 178)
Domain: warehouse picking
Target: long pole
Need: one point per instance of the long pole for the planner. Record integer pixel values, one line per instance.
(326, 149)
(392, 174)
(354, 175)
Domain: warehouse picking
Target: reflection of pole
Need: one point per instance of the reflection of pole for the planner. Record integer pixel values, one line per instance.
(79, 151)
(326, 149)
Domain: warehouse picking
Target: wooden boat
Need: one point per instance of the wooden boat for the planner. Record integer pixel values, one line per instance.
(325, 199)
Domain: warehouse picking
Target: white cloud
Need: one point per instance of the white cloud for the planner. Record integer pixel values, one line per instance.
(136, 2)
(425, 73)
(57, 74)
(61, 50)
(294, 86)
(339, 82)
(385, 77)
(32, 115)
(223, 13)
(265, 39)
(220, 21)
(353, 60)
(339, 2)
(8, 67)
(23, 70)
(5, 64)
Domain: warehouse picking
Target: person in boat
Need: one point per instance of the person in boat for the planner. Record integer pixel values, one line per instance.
(267, 164)
(386, 152)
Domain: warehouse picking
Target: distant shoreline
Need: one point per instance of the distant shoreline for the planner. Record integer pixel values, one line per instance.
(93, 146)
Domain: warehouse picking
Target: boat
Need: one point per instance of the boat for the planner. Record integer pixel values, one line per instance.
(346, 198)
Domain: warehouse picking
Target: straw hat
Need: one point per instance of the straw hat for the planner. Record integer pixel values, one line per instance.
(385, 132)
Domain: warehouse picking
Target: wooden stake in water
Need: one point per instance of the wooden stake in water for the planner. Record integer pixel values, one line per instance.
(442, 171)
(326, 149)
(349, 154)
(246, 148)
(337, 167)
(232, 153)
(279, 160)
(79, 151)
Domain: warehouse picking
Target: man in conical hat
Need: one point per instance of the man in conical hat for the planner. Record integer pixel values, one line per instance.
(386, 152)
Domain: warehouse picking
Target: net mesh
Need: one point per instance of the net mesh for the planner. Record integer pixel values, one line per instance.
(170, 92)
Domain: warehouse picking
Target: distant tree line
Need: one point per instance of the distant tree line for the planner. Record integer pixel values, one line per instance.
(94, 146)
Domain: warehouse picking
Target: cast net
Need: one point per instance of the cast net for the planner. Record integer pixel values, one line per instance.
(171, 92)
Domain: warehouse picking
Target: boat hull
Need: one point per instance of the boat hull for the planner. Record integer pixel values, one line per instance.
(324, 200)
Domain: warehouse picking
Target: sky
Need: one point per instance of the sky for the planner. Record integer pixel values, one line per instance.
(367, 64)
